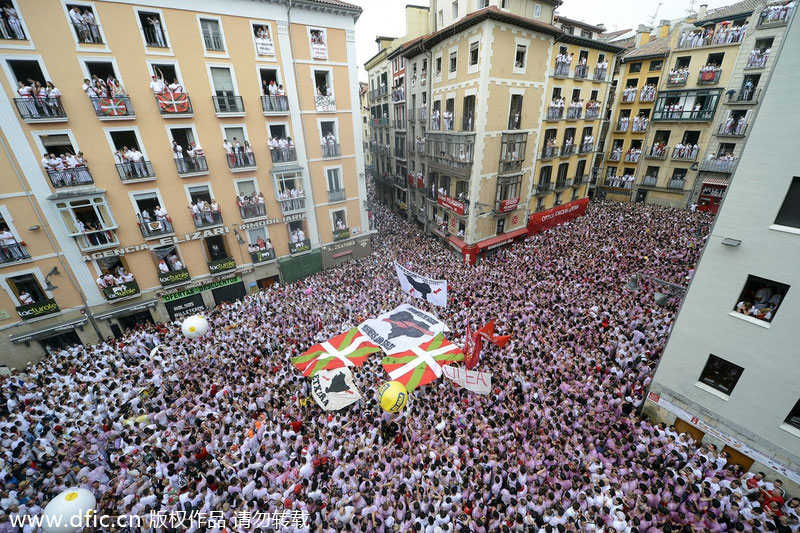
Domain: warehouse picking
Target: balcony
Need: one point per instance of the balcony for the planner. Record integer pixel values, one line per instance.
(227, 106)
(173, 277)
(732, 130)
(622, 125)
(132, 171)
(221, 265)
(262, 255)
(422, 113)
(650, 181)
(699, 39)
(325, 103)
(629, 95)
(174, 105)
(574, 113)
(95, 239)
(299, 247)
(709, 77)
(563, 184)
(665, 115)
(581, 72)
(420, 147)
(600, 74)
(677, 79)
(615, 155)
(676, 184)
(331, 150)
(275, 105)
(586, 148)
(544, 188)
(121, 291)
(207, 219)
(40, 109)
(400, 124)
(191, 166)
(458, 207)
(255, 210)
(549, 152)
(337, 195)
(341, 234)
(746, 97)
(657, 152)
(37, 309)
(580, 180)
(451, 151)
(592, 113)
(154, 38)
(719, 165)
(632, 156)
(554, 113)
(510, 166)
(561, 70)
(774, 15)
(412, 114)
(70, 177)
(758, 59)
(13, 251)
(292, 204)
(647, 94)
(283, 155)
(567, 150)
(241, 161)
(684, 154)
(114, 108)
(399, 95)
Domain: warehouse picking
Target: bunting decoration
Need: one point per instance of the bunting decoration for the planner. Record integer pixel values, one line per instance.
(350, 348)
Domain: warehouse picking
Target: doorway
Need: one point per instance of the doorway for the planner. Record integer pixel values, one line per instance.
(59, 342)
(136, 319)
(685, 427)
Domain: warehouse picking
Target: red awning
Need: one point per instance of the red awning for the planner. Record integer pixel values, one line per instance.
(457, 243)
(503, 239)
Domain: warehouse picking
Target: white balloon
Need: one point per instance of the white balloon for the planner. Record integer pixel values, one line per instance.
(194, 327)
(65, 510)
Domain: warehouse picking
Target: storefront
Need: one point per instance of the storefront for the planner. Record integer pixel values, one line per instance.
(711, 193)
(185, 306)
(229, 293)
(190, 300)
(543, 220)
(53, 337)
(128, 317)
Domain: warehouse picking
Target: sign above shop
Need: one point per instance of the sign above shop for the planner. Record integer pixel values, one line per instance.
(166, 241)
(270, 221)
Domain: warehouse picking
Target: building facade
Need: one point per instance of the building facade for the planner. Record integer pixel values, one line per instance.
(729, 372)
(186, 158)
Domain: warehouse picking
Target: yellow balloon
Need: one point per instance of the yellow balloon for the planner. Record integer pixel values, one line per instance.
(393, 395)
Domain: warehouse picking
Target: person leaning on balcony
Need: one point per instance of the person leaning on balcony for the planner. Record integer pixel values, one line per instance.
(8, 245)
(80, 25)
(25, 298)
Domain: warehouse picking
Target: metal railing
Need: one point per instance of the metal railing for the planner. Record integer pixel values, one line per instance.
(614, 156)
(567, 150)
(113, 107)
(622, 125)
(733, 130)
(650, 181)
(758, 59)
(581, 71)
(628, 97)
(563, 184)
(574, 113)
(88, 33)
(747, 97)
(632, 157)
(549, 152)
(155, 38)
(600, 74)
(290, 205)
(241, 159)
(11, 252)
(154, 228)
(555, 113)
(719, 165)
(681, 154)
(252, 211)
(40, 109)
(331, 150)
(275, 104)
(337, 195)
(422, 113)
(678, 78)
(592, 113)
(676, 184)
(70, 177)
(283, 155)
(135, 170)
(95, 239)
(701, 115)
(205, 219)
(191, 165)
(213, 40)
(709, 77)
(586, 148)
(561, 70)
(657, 153)
(542, 188)
(228, 104)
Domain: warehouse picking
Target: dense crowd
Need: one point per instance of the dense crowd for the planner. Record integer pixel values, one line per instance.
(225, 424)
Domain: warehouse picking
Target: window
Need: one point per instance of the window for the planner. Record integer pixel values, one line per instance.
(656, 64)
(508, 189)
(635, 67)
(438, 66)
(89, 221)
(519, 58)
(515, 112)
(587, 34)
(339, 220)
(167, 72)
(27, 289)
(503, 4)
(544, 175)
(334, 180)
(761, 298)
(794, 416)
(155, 35)
(473, 53)
(483, 3)
(319, 43)
(453, 61)
(262, 37)
(84, 23)
(325, 98)
(215, 247)
(168, 260)
(568, 29)
(441, 18)
(455, 9)
(789, 214)
(537, 10)
(720, 374)
(298, 242)
(225, 99)
(691, 105)
(212, 34)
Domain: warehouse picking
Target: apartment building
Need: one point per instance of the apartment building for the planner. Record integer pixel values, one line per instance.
(729, 372)
(191, 157)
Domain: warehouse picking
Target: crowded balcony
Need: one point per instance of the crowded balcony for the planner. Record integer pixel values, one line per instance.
(678, 77)
(650, 181)
(622, 125)
(615, 154)
(736, 128)
(420, 145)
(223, 264)
(191, 166)
(292, 201)
(574, 112)
(325, 102)
(775, 14)
(155, 228)
(241, 160)
(688, 105)
(12, 250)
(628, 95)
(593, 111)
(135, 170)
(549, 151)
(676, 183)
(331, 150)
(172, 105)
(252, 210)
(337, 195)
(658, 151)
(95, 237)
(562, 69)
(207, 218)
(632, 155)
(600, 73)
(228, 105)
(114, 107)
(581, 71)
(723, 35)
(685, 152)
(283, 155)
(554, 113)
(398, 94)
(275, 105)
(647, 94)
(709, 75)
(719, 164)
(758, 58)
(586, 147)
(69, 177)
(567, 150)
(41, 109)
(747, 96)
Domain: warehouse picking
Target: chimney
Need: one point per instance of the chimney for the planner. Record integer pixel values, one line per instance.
(602, 26)
(702, 11)
(663, 28)
(642, 35)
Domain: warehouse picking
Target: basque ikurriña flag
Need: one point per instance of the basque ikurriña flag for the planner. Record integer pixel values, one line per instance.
(114, 107)
(351, 348)
(422, 364)
(173, 102)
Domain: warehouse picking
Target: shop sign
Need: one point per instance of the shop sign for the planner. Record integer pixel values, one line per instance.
(221, 265)
(174, 276)
(200, 288)
(121, 291)
(166, 241)
(35, 310)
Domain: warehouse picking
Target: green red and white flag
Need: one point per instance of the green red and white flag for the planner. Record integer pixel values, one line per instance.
(351, 348)
(420, 365)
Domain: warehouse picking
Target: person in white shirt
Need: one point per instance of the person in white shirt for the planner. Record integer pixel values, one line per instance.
(157, 84)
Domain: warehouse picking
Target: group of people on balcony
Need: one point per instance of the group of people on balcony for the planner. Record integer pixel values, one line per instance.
(159, 85)
(10, 26)
(329, 147)
(281, 149)
(40, 101)
(777, 12)
(562, 64)
(291, 198)
(588, 143)
(85, 24)
(724, 157)
(108, 280)
(556, 107)
(97, 87)
(10, 248)
(205, 212)
(132, 162)
(592, 109)
(95, 231)
(762, 304)
(193, 159)
(633, 154)
(575, 108)
(550, 148)
(67, 169)
(170, 264)
(616, 153)
(325, 101)
(629, 93)
(398, 92)
(659, 149)
(423, 78)
(238, 154)
(297, 235)
(734, 125)
(276, 96)
(263, 40)
(261, 250)
(678, 75)
(676, 110)
(462, 155)
(447, 118)
(685, 151)
(620, 182)
(159, 213)
(601, 69)
(251, 205)
(640, 122)
(710, 72)
(648, 92)
(758, 57)
(727, 33)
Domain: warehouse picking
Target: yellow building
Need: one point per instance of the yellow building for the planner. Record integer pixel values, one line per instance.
(220, 151)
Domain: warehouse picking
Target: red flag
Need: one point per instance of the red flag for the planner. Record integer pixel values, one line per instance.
(472, 348)
(501, 340)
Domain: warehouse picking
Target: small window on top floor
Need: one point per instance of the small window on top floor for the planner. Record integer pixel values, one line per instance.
(635, 67)
(568, 29)
(761, 298)
(483, 3)
(519, 59)
(473, 53)
(656, 64)
(587, 34)
(789, 214)
(720, 374)
(794, 416)
(453, 61)
(537, 10)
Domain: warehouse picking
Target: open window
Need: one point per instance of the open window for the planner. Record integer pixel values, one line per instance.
(515, 112)
(203, 207)
(131, 162)
(520, 55)
(89, 221)
(65, 165)
(761, 298)
(238, 151)
(83, 20)
(26, 289)
(720, 374)
(151, 216)
(323, 83)
(298, 237)
(341, 230)
(115, 279)
(153, 30)
(171, 267)
(319, 43)
(262, 35)
(291, 196)
(187, 151)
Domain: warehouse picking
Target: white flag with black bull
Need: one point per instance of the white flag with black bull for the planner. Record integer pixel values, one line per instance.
(334, 389)
(432, 290)
(402, 328)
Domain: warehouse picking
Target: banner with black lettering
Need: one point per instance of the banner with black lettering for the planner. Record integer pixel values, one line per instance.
(432, 290)
(334, 389)
(401, 328)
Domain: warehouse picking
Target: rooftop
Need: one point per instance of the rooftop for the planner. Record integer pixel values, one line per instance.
(655, 48)
(745, 7)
